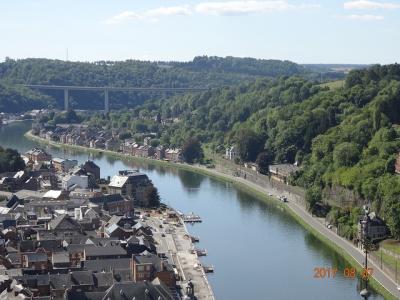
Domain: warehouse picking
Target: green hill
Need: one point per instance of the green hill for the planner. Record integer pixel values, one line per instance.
(201, 72)
(345, 138)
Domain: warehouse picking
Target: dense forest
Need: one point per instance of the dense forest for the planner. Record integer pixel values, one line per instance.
(348, 137)
(201, 72)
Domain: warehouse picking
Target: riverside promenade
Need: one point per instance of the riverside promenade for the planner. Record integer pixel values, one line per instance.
(173, 237)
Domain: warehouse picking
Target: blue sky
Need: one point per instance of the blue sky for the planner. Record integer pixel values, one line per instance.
(308, 31)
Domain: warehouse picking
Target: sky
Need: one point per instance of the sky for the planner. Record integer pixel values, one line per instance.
(305, 31)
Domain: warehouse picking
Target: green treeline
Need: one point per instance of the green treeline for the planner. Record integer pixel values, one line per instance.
(201, 72)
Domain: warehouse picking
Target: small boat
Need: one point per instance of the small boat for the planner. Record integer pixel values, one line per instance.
(208, 269)
(195, 239)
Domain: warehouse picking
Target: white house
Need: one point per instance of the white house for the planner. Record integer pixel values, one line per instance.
(231, 152)
(71, 181)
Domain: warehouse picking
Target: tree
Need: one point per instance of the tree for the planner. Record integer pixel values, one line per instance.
(313, 196)
(10, 161)
(263, 161)
(346, 154)
(151, 196)
(392, 215)
(249, 144)
(192, 151)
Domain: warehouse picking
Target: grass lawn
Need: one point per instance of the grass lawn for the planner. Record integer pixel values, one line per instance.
(388, 261)
(391, 245)
(333, 85)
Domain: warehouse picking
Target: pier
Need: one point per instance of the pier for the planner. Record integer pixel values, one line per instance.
(199, 252)
(191, 218)
(174, 239)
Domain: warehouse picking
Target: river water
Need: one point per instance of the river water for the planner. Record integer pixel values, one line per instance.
(257, 249)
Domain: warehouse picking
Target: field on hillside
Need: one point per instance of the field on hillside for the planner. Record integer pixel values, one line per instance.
(333, 85)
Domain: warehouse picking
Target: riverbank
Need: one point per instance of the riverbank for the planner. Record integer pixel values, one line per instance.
(173, 237)
(314, 226)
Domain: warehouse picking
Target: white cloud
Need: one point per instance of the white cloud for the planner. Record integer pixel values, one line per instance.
(364, 4)
(238, 7)
(366, 18)
(151, 15)
(246, 7)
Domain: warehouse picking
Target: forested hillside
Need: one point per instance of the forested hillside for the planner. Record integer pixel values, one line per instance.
(348, 137)
(201, 72)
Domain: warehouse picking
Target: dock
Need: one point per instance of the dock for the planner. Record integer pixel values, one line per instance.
(174, 239)
(191, 218)
(199, 252)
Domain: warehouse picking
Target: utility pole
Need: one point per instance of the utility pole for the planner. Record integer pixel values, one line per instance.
(366, 245)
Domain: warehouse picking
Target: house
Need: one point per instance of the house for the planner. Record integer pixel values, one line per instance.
(115, 231)
(38, 155)
(90, 167)
(160, 152)
(173, 154)
(376, 229)
(150, 266)
(35, 261)
(146, 141)
(231, 152)
(55, 195)
(281, 172)
(119, 207)
(136, 290)
(130, 184)
(60, 260)
(97, 143)
(72, 181)
(63, 165)
(100, 253)
(252, 166)
(112, 144)
(64, 226)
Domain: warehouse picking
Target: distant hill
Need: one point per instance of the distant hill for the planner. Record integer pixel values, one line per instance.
(201, 72)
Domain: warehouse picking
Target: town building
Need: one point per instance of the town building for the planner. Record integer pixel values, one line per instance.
(281, 172)
(376, 229)
(38, 155)
(72, 181)
(63, 165)
(130, 184)
(90, 167)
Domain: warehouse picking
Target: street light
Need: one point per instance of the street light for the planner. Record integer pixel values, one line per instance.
(366, 245)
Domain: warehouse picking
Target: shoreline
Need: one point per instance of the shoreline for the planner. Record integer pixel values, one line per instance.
(336, 243)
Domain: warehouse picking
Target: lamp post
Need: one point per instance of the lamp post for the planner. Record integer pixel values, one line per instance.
(366, 245)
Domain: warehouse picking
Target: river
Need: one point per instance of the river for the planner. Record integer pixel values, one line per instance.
(257, 249)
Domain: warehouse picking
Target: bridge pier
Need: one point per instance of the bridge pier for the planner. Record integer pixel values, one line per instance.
(66, 99)
(106, 101)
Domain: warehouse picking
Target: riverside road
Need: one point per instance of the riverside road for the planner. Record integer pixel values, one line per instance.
(299, 210)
